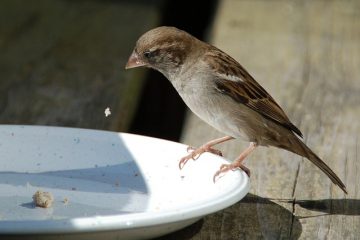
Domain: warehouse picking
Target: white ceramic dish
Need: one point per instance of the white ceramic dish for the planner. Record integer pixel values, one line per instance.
(118, 185)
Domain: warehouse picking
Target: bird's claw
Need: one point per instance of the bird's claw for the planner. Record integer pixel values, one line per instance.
(223, 169)
(196, 152)
(226, 167)
(182, 162)
(193, 155)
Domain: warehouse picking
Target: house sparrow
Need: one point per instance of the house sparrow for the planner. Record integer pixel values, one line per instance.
(223, 94)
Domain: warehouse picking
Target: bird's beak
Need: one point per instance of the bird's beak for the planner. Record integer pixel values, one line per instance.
(134, 61)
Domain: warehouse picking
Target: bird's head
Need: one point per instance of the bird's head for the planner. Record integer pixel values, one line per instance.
(164, 49)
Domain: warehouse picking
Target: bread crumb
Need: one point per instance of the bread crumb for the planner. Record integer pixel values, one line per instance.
(43, 199)
(107, 112)
(65, 201)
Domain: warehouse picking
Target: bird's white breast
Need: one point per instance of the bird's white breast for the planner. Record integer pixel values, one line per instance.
(211, 106)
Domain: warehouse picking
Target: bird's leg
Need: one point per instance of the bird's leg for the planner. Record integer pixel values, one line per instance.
(207, 147)
(237, 163)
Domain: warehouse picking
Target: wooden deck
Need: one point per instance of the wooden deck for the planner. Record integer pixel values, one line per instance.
(59, 66)
(307, 55)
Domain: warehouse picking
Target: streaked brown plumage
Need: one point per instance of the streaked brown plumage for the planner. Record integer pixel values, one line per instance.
(222, 93)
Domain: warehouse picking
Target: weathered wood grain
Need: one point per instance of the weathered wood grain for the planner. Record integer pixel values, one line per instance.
(62, 62)
(307, 55)
(59, 65)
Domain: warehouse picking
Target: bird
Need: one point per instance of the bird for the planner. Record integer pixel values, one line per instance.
(222, 93)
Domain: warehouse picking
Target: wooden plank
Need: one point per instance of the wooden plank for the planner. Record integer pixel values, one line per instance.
(333, 93)
(62, 62)
(307, 55)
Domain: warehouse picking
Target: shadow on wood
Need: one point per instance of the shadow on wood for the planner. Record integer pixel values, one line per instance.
(253, 217)
(349, 207)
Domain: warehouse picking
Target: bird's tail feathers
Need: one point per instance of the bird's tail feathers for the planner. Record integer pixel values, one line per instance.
(298, 147)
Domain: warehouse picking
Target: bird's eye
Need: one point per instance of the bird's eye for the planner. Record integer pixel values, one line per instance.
(147, 54)
(151, 53)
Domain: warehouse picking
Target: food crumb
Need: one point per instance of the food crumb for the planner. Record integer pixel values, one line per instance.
(107, 112)
(43, 199)
(66, 201)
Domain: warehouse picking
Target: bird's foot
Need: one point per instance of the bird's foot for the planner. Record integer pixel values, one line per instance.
(237, 163)
(227, 167)
(206, 149)
(196, 152)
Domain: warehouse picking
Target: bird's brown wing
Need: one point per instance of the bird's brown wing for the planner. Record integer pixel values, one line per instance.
(237, 83)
